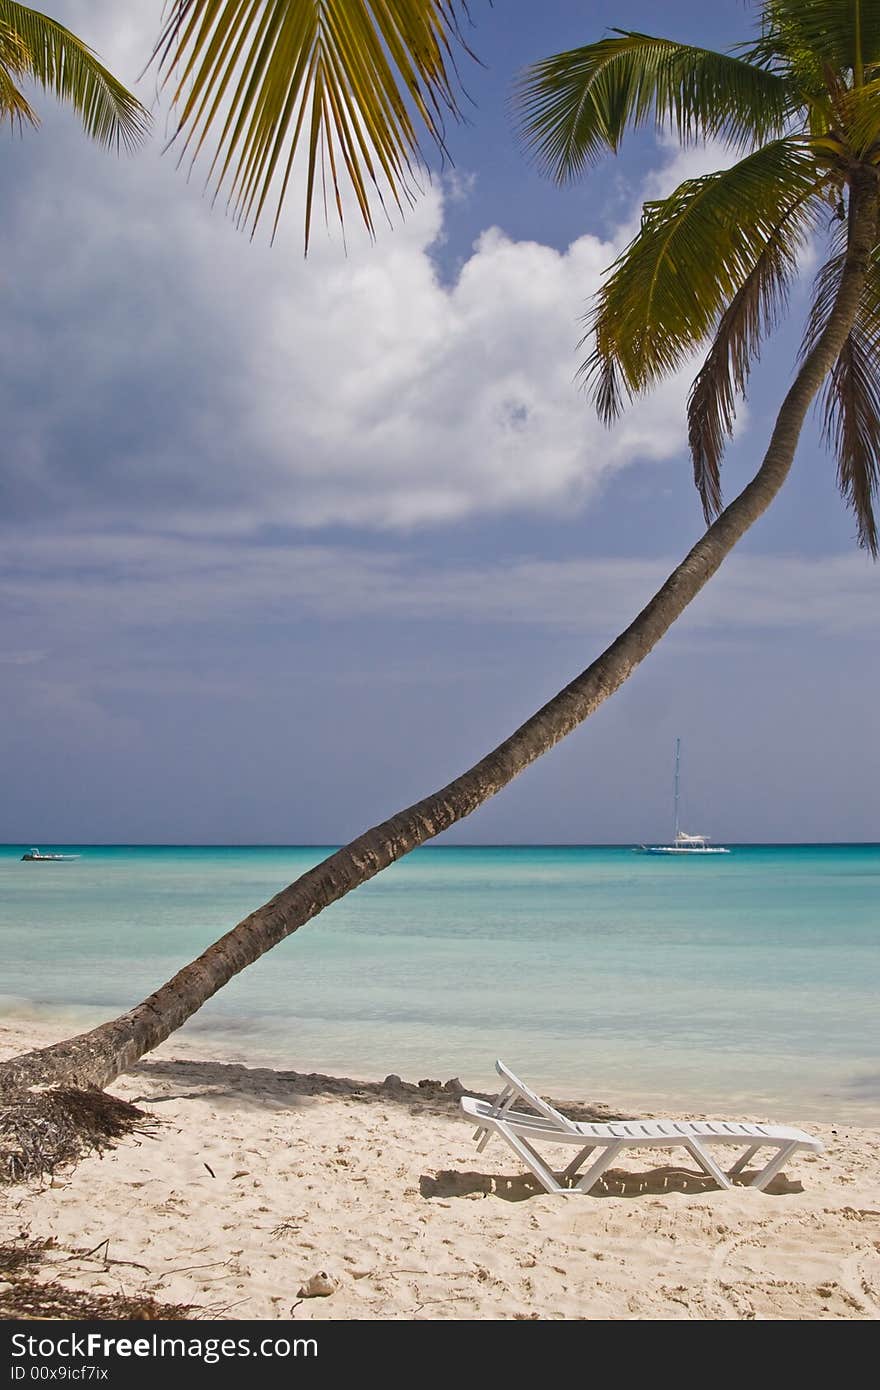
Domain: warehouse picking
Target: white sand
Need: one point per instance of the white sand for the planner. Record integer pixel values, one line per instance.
(382, 1189)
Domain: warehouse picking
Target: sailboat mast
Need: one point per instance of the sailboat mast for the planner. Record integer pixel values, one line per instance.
(677, 762)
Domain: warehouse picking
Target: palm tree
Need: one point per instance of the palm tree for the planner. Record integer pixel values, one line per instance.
(711, 264)
(37, 49)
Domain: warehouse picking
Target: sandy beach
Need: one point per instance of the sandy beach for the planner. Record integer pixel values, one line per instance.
(257, 1180)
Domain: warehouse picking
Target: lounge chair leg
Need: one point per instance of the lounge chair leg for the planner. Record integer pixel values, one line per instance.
(743, 1161)
(576, 1162)
(767, 1174)
(707, 1162)
(502, 1102)
(532, 1160)
(594, 1173)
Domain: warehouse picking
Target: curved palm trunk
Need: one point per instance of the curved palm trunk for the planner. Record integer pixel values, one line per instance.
(96, 1057)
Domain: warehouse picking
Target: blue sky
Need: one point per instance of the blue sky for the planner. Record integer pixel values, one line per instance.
(286, 544)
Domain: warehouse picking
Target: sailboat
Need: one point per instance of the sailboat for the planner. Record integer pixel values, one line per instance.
(683, 843)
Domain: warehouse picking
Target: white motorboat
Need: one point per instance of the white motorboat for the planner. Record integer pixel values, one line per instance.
(34, 856)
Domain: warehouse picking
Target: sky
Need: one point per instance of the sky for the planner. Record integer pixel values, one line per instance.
(286, 543)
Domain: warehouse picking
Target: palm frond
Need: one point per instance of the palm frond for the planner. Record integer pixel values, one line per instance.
(834, 36)
(350, 80)
(852, 428)
(13, 50)
(64, 66)
(577, 105)
(782, 49)
(850, 402)
(693, 254)
(825, 286)
(863, 119)
(753, 312)
(14, 105)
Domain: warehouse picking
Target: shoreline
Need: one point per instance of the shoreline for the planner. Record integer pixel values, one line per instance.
(233, 1043)
(258, 1179)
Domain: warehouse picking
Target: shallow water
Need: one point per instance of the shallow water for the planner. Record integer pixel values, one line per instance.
(742, 981)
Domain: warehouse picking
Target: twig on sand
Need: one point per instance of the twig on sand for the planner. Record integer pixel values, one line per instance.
(217, 1310)
(286, 1228)
(104, 1259)
(188, 1269)
(87, 1254)
(419, 1306)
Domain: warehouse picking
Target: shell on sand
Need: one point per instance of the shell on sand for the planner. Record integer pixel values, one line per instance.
(321, 1285)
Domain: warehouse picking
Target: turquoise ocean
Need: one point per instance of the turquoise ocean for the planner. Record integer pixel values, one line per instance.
(747, 981)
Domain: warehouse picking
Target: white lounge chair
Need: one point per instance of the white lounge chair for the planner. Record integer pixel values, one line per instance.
(521, 1130)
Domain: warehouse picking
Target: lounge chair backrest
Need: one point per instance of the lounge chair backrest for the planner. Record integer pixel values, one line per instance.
(543, 1107)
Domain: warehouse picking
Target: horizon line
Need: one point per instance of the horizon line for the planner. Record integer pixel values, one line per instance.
(488, 844)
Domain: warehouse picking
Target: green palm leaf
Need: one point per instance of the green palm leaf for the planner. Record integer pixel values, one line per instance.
(347, 79)
(62, 64)
(825, 285)
(753, 312)
(577, 105)
(14, 105)
(828, 35)
(695, 251)
(862, 107)
(852, 428)
(851, 399)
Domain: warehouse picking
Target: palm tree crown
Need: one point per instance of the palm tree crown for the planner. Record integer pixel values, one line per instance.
(36, 48)
(800, 106)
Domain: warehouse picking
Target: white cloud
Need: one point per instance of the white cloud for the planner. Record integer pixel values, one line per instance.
(202, 384)
(247, 387)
